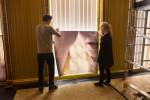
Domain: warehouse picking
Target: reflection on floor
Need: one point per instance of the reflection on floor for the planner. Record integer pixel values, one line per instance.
(140, 81)
(7, 94)
(79, 91)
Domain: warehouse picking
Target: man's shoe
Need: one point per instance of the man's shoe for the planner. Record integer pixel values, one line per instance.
(52, 88)
(41, 90)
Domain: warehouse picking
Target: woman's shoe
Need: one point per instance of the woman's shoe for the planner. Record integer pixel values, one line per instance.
(106, 82)
(98, 84)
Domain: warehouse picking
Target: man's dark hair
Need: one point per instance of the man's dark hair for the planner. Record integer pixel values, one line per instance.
(47, 17)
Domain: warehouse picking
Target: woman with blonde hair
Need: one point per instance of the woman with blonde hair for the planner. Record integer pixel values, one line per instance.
(105, 57)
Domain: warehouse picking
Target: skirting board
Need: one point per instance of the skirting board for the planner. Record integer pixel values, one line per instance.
(34, 80)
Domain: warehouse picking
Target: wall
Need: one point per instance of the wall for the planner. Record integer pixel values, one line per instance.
(24, 15)
(117, 14)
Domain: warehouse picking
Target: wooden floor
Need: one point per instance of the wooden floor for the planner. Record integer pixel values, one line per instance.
(79, 91)
(140, 81)
(87, 91)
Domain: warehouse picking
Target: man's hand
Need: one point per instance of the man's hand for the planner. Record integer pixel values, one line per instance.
(57, 29)
(59, 35)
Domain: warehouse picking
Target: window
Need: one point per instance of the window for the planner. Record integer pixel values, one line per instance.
(74, 15)
(142, 42)
(146, 61)
(76, 19)
(139, 26)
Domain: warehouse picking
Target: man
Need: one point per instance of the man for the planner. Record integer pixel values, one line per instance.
(44, 34)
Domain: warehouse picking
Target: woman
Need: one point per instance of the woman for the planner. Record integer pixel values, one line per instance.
(105, 58)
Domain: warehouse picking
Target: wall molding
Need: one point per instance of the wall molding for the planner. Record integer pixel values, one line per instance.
(81, 76)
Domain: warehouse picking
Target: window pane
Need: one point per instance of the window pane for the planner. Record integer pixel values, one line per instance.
(148, 20)
(140, 18)
(147, 49)
(140, 23)
(147, 41)
(148, 31)
(139, 31)
(147, 64)
(147, 56)
(74, 15)
(138, 50)
(141, 15)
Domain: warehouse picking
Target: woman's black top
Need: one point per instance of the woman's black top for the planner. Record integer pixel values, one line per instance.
(105, 57)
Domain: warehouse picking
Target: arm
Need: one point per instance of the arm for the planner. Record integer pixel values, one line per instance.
(106, 47)
(54, 32)
(109, 51)
(57, 34)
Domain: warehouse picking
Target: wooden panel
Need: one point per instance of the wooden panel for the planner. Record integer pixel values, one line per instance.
(23, 16)
(117, 15)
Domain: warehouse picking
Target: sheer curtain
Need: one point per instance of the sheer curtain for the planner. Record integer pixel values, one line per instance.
(74, 15)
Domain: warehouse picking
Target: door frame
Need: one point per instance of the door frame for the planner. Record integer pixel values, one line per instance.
(6, 44)
(46, 9)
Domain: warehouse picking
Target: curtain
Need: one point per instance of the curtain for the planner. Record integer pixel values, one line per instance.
(45, 7)
(74, 15)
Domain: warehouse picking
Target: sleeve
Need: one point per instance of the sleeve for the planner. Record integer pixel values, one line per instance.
(109, 51)
(107, 47)
(52, 30)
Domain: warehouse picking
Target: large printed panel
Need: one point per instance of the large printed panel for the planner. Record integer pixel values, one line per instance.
(76, 52)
